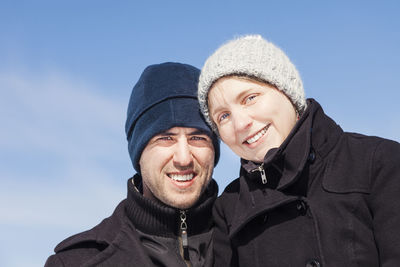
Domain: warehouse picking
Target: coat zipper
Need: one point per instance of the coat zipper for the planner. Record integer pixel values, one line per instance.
(262, 171)
(184, 237)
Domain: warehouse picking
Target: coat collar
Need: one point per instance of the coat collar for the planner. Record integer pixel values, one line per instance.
(104, 233)
(314, 132)
(288, 159)
(313, 136)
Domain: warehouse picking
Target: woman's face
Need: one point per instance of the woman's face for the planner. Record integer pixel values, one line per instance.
(252, 117)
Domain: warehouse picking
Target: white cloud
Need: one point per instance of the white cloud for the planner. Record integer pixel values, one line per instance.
(55, 113)
(63, 161)
(61, 142)
(78, 198)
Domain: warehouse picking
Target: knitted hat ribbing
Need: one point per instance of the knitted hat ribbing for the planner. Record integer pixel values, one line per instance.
(164, 97)
(251, 56)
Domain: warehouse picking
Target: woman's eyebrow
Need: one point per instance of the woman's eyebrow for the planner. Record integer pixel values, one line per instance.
(238, 98)
(214, 111)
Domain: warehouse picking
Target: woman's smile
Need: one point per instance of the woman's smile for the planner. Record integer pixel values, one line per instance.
(256, 136)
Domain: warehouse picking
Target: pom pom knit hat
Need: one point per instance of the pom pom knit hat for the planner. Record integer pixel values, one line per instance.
(254, 57)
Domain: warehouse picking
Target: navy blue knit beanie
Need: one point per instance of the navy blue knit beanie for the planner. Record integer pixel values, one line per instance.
(164, 97)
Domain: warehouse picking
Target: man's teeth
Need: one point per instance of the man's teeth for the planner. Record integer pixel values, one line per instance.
(181, 178)
(257, 136)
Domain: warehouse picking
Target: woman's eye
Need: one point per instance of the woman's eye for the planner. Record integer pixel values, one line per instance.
(250, 98)
(223, 116)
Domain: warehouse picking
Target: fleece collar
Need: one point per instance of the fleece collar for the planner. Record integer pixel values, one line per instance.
(155, 218)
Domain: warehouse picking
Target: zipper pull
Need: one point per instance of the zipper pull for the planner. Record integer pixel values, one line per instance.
(262, 171)
(263, 176)
(184, 237)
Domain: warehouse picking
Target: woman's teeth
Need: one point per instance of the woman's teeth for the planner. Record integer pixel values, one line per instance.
(181, 178)
(257, 136)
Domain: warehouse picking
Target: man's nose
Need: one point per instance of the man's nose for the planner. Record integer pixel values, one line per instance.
(182, 155)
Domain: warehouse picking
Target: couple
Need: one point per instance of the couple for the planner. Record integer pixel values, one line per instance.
(308, 194)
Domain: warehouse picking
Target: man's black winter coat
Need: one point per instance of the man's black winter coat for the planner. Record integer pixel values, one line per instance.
(142, 232)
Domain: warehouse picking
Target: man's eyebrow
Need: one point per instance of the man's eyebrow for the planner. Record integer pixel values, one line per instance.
(167, 133)
(194, 132)
(198, 131)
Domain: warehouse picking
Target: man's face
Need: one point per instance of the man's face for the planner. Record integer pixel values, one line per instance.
(176, 166)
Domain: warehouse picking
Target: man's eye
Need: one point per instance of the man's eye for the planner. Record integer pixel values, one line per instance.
(198, 138)
(164, 138)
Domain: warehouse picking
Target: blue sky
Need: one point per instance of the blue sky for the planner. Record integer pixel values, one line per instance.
(67, 69)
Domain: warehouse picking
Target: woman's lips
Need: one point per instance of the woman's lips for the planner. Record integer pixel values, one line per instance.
(256, 136)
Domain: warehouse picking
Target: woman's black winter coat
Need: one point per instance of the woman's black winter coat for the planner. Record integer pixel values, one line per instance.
(331, 199)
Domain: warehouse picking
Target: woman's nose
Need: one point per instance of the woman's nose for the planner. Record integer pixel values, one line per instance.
(241, 121)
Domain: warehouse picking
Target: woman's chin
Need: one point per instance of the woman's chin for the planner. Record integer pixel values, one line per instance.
(258, 156)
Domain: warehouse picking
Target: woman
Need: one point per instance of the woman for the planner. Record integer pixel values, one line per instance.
(308, 194)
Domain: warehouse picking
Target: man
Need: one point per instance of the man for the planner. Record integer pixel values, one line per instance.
(166, 218)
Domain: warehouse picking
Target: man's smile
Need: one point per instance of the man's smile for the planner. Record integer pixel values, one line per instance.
(181, 177)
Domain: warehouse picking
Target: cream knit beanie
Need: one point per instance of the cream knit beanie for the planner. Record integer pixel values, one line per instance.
(251, 56)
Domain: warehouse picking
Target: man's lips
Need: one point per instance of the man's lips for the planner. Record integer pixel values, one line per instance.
(182, 177)
(256, 136)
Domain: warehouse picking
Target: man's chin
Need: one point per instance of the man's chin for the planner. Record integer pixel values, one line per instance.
(184, 201)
